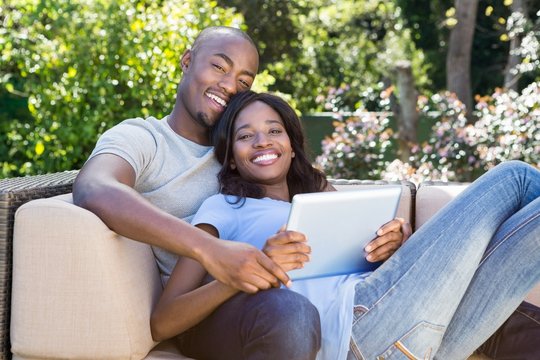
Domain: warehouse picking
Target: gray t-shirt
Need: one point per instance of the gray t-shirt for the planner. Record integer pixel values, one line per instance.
(173, 173)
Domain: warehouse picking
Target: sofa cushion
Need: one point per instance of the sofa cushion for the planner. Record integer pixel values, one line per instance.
(79, 290)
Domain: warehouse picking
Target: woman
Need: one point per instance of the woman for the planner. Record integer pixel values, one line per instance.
(442, 294)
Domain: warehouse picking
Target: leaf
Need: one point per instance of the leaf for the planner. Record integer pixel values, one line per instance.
(71, 72)
(39, 148)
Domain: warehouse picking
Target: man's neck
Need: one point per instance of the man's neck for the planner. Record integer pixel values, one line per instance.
(187, 128)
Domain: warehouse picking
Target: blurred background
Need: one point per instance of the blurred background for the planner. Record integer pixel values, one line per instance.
(394, 89)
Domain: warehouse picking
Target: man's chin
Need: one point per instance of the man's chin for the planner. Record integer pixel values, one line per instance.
(205, 121)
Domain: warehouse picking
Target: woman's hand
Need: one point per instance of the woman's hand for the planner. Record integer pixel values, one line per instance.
(390, 238)
(289, 249)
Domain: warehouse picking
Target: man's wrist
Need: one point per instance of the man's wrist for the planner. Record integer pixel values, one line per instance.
(201, 248)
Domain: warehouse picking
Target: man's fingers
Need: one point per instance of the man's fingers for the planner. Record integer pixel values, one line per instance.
(275, 270)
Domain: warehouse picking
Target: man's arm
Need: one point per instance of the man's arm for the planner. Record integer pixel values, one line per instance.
(105, 187)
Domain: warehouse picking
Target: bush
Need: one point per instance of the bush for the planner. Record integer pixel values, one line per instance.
(507, 129)
(358, 148)
(83, 66)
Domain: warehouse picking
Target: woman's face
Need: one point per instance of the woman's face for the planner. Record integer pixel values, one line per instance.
(262, 150)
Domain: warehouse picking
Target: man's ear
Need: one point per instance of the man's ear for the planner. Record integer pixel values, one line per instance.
(185, 60)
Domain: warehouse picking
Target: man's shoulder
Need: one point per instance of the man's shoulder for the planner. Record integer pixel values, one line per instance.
(150, 124)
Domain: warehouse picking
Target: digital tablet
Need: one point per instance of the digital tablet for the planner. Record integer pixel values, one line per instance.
(338, 226)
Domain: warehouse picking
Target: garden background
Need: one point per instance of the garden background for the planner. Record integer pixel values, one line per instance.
(399, 89)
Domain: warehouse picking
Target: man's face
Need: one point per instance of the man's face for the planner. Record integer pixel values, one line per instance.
(219, 68)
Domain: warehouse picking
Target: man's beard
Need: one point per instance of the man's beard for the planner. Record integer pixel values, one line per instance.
(203, 120)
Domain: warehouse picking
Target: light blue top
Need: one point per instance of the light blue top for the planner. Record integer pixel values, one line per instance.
(254, 222)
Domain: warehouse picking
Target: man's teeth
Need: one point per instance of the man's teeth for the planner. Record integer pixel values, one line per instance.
(217, 99)
(265, 158)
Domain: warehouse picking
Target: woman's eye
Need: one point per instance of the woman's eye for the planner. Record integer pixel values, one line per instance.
(276, 131)
(244, 137)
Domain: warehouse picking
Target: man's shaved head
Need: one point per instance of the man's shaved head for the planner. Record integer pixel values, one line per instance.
(217, 32)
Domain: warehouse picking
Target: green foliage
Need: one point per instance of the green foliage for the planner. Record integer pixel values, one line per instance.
(82, 66)
(430, 31)
(344, 43)
(270, 24)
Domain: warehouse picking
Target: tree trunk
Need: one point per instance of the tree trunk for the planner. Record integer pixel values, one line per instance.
(458, 59)
(511, 79)
(408, 115)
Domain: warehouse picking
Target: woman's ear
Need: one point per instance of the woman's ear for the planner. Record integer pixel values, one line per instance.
(233, 165)
(293, 154)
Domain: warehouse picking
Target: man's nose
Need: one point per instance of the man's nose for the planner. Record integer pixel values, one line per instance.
(228, 84)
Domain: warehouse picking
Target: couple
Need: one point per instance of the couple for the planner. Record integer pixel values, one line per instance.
(457, 277)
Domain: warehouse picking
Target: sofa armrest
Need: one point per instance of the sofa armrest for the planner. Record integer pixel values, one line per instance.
(13, 193)
(79, 289)
(432, 196)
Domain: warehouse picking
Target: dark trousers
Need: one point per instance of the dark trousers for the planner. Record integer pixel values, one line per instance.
(272, 324)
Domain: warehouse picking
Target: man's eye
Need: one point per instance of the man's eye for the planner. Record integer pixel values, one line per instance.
(245, 83)
(219, 67)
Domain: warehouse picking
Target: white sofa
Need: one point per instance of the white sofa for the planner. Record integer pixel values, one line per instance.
(80, 291)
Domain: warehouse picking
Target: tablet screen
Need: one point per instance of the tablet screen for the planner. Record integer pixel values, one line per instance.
(338, 225)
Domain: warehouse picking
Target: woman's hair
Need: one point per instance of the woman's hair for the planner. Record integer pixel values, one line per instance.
(302, 176)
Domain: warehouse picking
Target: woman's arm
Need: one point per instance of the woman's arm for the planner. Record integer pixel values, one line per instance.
(183, 303)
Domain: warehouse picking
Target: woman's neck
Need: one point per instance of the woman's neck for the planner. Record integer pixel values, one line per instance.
(277, 192)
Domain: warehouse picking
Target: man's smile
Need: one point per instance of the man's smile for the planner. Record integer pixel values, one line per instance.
(217, 99)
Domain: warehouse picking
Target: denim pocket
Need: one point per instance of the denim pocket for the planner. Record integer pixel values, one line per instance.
(421, 342)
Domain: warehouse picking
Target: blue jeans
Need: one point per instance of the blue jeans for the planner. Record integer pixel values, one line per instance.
(272, 324)
(457, 279)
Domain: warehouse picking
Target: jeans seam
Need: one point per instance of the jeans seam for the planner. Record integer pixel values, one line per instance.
(355, 350)
(503, 240)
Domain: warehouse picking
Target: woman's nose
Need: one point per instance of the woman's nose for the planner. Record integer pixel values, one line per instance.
(261, 140)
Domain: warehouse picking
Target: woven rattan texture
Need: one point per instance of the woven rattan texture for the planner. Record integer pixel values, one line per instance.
(15, 192)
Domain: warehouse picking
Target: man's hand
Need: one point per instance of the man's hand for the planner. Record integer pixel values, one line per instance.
(288, 249)
(390, 238)
(242, 266)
